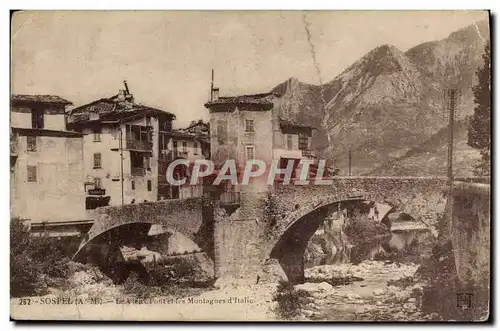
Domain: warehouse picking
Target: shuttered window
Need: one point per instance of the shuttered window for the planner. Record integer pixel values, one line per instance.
(97, 160)
(221, 132)
(31, 173)
(31, 142)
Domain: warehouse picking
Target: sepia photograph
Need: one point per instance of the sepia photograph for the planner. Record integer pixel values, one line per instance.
(250, 165)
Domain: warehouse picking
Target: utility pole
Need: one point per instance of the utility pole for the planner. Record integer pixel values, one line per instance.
(350, 161)
(212, 87)
(121, 159)
(451, 94)
(450, 102)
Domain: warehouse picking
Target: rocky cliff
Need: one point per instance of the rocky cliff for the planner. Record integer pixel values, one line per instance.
(388, 104)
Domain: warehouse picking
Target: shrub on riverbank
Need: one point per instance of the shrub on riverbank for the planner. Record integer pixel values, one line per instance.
(289, 300)
(34, 261)
(361, 230)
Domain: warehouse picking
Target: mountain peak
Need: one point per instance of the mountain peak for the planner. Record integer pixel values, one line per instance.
(384, 51)
(291, 84)
(293, 80)
(386, 48)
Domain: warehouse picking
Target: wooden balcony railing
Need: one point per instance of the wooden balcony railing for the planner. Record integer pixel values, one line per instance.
(308, 153)
(230, 198)
(182, 154)
(139, 145)
(13, 145)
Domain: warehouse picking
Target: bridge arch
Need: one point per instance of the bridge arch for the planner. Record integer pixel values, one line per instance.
(299, 227)
(114, 225)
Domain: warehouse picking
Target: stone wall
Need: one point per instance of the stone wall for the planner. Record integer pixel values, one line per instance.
(470, 232)
(237, 237)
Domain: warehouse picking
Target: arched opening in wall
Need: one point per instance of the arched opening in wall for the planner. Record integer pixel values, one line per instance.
(346, 231)
(396, 218)
(153, 253)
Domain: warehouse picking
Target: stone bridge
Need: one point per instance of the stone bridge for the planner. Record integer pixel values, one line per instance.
(130, 223)
(272, 229)
(266, 234)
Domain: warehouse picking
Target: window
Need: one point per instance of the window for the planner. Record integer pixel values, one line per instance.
(97, 160)
(249, 126)
(150, 185)
(184, 146)
(303, 142)
(250, 152)
(97, 182)
(148, 121)
(97, 134)
(161, 141)
(132, 183)
(31, 173)
(143, 133)
(137, 160)
(37, 121)
(31, 143)
(289, 141)
(221, 132)
(195, 148)
(147, 162)
(167, 126)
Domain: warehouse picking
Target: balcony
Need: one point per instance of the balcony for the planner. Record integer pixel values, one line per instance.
(230, 198)
(13, 150)
(139, 145)
(230, 201)
(308, 154)
(181, 154)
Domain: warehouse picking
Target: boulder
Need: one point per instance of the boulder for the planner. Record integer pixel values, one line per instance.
(314, 287)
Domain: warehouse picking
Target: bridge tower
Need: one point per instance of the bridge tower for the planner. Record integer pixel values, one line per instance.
(243, 128)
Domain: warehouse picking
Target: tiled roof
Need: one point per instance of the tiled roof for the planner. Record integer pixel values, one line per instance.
(109, 109)
(294, 123)
(197, 123)
(256, 99)
(37, 98)
(187, 135)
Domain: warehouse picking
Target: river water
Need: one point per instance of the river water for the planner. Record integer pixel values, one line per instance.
(402, 245)
(379, 268)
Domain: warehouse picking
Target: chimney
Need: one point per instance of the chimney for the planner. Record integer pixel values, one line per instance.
(128, 96)
(126, 87)
(215, 94)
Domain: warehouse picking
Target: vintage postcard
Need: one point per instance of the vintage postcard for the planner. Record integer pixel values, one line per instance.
(250, 166)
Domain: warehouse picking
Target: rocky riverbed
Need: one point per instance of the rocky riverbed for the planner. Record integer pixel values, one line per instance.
(372, 290)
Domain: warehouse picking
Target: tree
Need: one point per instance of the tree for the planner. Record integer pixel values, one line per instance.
(479, 135)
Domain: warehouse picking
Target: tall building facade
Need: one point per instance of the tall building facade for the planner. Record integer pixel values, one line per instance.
(46, 161)
(121, 149)
(244, 128)
(250, 127)
(191, 143)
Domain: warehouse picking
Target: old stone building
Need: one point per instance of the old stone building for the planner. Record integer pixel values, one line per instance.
(250, 127)
(242, 128)
(46, 161)
(191, 143)
(122, 149)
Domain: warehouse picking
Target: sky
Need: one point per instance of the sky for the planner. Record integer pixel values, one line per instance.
(167, 56)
